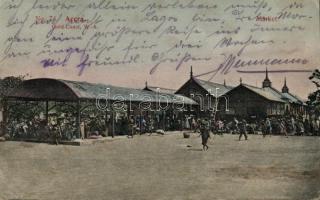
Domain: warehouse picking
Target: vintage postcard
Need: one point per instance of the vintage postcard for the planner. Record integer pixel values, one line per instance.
(159, 99)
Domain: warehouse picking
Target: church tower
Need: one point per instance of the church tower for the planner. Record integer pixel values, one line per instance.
(266, 82)
(285, 89)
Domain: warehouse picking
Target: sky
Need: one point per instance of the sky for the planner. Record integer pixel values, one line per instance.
(120, 42)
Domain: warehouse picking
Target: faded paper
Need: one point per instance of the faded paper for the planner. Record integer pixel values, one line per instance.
(158, 41)
(140, 43)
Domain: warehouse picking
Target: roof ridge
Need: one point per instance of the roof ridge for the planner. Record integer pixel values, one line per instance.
(100, 84)
(278, 91)
(161, 87)
(214, 82)
(296, 96)
(252, 86)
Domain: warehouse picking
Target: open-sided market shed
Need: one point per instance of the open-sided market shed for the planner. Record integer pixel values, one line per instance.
(81, 95)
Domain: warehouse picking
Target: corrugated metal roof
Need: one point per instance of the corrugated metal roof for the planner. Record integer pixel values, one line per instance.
(170, 92)
(160, 89)
(267, 92)
(288, 97)
(292, 98)
(44, 89)
(211, 87)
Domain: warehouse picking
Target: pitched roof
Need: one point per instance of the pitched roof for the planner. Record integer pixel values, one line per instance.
(273, 94)
(170, 92)
(292, 98)
(57, 89)
(288, 97)
(160, 89)
(211, 87)
(266, 92)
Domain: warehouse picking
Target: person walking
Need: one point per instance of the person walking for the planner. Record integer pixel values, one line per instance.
(131, 127)
(193, 124)
(243, 129)
(293, 125)
(315, 127)
(268, 127)
(205, 133)
(235, 126)
(283, 127)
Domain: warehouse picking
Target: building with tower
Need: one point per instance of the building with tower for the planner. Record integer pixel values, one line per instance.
(210, 96)
(255, 102)
(243, 100)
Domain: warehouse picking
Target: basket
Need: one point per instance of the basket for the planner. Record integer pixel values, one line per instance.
(186, 135)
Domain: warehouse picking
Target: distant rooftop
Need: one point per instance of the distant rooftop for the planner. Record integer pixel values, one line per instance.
(211, 87)
(66, 90)
(160, 89)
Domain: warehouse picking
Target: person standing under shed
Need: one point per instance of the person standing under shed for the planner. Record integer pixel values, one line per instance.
(131, 127)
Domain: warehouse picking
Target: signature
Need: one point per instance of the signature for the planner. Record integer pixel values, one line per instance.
(234, 62)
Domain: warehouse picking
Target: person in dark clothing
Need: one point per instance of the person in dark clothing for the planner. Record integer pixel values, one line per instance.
(55, 133)
(204, 132)
(242, 129)
(268, 127)
(306, 126)
(124, 125)
(131, 127)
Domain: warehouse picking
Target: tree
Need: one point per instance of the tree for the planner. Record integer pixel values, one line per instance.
(314, 98)
(7, 85)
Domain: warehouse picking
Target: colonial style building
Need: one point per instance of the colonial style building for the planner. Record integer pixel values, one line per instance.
(209, 95)
(243, 100)
(249, 101)
(159, 89)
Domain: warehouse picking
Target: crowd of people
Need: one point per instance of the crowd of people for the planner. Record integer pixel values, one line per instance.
(64, 127)
(292, 125)
(289, 125)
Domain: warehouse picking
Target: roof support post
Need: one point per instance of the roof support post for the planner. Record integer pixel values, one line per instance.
(128, 110)
(140, 122)
(182, 121)
(78, 120)
(47, 111)
(113, 122)
(5, 116)
(164, 120)
(106, 124)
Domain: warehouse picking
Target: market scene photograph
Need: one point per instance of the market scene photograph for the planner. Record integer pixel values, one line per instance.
(159, 100)
(171, 129)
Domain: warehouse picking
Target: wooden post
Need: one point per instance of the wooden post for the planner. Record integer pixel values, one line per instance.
(5, 116)
(47, 112)
(78, 120)
(165, 120)
(112, 134)
(128, 110)
(106, 123)
(140, 122)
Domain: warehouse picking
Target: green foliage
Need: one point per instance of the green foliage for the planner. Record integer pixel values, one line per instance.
(23, 110)
(314, 98)
(315, 78)
(8, 84)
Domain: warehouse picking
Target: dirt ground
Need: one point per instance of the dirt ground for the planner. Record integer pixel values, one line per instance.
(163, 167)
